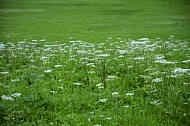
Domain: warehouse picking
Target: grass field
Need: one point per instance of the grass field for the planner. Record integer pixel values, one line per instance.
(115, 83)
(94, 20)
(94, 63)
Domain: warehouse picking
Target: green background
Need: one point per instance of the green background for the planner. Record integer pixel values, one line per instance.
(93, 20)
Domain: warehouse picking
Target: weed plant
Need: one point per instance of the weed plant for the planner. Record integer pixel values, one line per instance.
(116, 82)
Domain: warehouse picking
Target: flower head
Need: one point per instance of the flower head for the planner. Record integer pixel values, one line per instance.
(7, 98)
(130, 94)
(103, 100)
(16, 94)
(48, 71)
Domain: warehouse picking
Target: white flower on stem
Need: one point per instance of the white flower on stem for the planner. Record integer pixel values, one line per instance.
(48, 71)
(115, 94)
(186, 61)
(103, 100)
(126, 106)
(109, 78)
(16, 94)
(7, 98)
(44, 58)
(53, 92)
(121, 56)
(163, 61)
(181, 70)
(56, 66)
(77, 84)
(143, 39)
(15, 80)
(130, 94)
(2, 46)
(138, 58)
(103, 55)
(90, 64)
(108, 118)
(100, 85)
(157, 80)
(82, 51)
(122, 51)
(4, 73)
(157, 102)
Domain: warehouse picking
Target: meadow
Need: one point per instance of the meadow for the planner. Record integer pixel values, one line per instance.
(118, 82)
(94, 63)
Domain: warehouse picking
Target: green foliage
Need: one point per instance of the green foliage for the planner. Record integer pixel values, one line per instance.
(52, 77)
(118, 82)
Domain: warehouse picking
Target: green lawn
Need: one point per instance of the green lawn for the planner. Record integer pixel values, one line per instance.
(93, 20)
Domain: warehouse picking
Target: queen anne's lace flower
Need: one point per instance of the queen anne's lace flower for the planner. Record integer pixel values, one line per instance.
(16, 94)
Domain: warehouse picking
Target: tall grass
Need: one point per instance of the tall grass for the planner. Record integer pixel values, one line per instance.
(116, 82)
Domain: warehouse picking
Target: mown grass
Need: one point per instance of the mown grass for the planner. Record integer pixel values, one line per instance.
(117, 82)
(94, 20)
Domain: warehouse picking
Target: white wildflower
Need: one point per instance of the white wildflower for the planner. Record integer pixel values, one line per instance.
(157, 80)
(60, 87)
(77, 84)
(56, 66)
(109, 78)
(137, 43)
(16, 94)
(126, 106)
(130, 94)
(2, 46)
(4, 73)
(6, 97)
(103, 100)
(53, 92)
(43, 57)
(186, 61)
(122, 51)
(130, 66)
(181, 70)
(42, 40)
(32, 61)
(82, 51)
(34, 40)
(51, 123)
(159, 57)
(15, 80)
(115, 94)
(121, 56)
(90, 64)
(143, 39)
(163, 61)
(103, 55)
(108, 118)
(89, 120)
(100, 86)
(157, 102)
(174, 76)
(48, 71)
(138, 58)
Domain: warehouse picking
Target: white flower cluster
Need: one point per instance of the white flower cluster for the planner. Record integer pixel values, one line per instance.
(10, 97)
